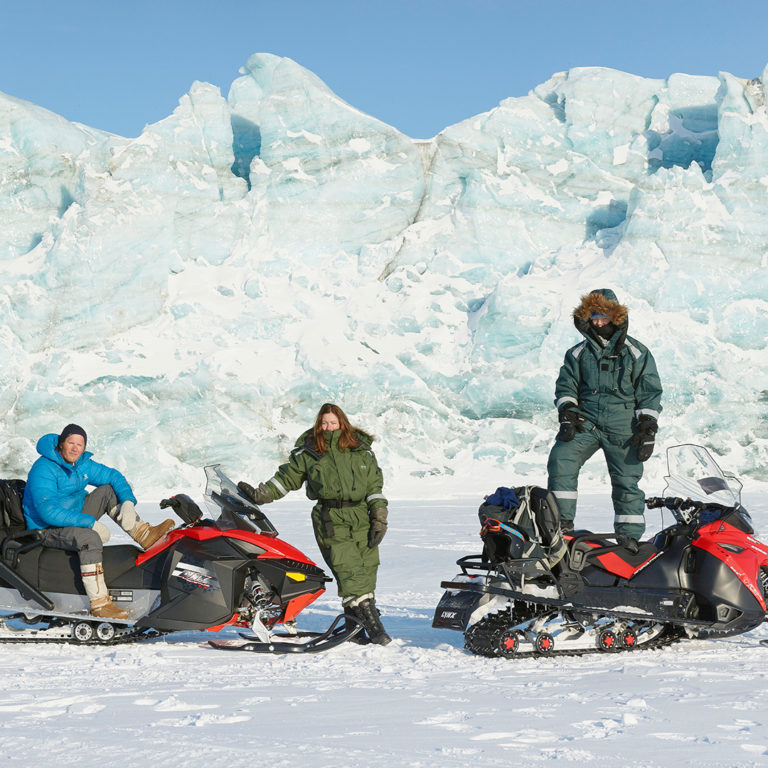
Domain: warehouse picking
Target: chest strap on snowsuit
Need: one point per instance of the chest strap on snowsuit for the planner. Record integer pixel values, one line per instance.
(326, 505)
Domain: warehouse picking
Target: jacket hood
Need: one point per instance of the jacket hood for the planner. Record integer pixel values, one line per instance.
(604, 302)
(46, 447)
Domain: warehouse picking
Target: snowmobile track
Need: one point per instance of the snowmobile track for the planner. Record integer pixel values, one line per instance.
(86, 631)
(485, 639)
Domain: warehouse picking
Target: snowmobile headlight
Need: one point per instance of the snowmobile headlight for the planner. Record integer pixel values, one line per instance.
(295, 576)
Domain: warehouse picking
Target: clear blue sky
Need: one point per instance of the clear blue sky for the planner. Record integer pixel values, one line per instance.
(419, 65)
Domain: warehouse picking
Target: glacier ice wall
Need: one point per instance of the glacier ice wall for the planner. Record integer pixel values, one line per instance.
(193, 294)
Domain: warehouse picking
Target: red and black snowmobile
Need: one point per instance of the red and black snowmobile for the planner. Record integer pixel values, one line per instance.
(527, 594)
(204, 575)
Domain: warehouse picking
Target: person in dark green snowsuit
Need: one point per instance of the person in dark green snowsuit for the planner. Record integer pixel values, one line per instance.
(342, 475)
(608, 396)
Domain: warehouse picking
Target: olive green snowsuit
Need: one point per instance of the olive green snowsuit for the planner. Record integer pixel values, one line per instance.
(347, 485)
(611, 385)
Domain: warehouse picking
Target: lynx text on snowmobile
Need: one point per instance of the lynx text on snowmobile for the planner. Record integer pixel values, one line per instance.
(204, 575)
(535, 591)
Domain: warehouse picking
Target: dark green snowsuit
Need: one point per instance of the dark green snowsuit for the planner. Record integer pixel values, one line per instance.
(611, 385)
(347, 485)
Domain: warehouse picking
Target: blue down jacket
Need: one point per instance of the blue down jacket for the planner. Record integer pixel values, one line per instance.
(55, 491)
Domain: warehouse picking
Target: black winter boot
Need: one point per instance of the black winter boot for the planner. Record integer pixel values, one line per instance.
(367, 612)
(350, 622)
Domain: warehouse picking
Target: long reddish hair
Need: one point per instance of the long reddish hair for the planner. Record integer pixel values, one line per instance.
(347, 437)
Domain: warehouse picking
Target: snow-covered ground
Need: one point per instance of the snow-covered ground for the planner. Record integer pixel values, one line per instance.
(421, 701)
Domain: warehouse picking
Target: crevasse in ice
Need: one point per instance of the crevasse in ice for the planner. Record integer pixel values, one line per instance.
(192, 295)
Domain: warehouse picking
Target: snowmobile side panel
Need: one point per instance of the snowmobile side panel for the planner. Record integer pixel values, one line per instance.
(135, 602)
(666, 569)
(295, 605)
(725, 543)
(121, 571)
(26, 590)
(120, 565)
(723, 597)
(202, 580)
(597, 577)
(614, 563)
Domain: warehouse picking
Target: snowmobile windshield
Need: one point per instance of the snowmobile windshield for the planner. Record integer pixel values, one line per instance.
(694, 474)
(234, 510)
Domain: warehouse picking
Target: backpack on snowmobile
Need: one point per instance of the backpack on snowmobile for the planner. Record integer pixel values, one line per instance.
(11, 512)
(522, 522)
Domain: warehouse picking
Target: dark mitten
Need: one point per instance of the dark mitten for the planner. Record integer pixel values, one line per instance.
(258, 495)
(645, 437)
(628, 543)
(569, 422)
(378, 518)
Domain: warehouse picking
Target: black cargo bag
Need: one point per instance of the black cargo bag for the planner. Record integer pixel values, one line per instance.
(11, 512)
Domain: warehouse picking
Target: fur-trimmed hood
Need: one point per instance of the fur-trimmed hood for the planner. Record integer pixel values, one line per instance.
(604, 302)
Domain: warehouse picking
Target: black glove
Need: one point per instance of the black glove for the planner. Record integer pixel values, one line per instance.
(184, 507)
(628, 543)
(258, 495)
(378, 518)
(645, 437)
(570, 421)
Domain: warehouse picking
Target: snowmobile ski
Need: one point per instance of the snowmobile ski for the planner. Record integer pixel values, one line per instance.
(318, 641)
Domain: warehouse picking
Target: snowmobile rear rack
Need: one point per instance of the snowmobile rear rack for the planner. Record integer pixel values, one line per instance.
(525, 567)
(17, 544)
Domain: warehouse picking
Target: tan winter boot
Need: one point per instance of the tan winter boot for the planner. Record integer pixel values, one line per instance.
(96, 589)
(145, 535)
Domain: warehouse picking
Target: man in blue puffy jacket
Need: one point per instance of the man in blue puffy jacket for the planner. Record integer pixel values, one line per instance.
(56, 502)
(608, 397)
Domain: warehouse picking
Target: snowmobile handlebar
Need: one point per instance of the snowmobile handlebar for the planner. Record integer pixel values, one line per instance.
(673, 503)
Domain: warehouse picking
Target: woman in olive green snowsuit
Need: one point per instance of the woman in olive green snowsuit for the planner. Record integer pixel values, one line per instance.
(339, 468)
(608, 396)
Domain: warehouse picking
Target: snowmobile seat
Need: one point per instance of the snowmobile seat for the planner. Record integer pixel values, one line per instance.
(57, 570)
(600, 550)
